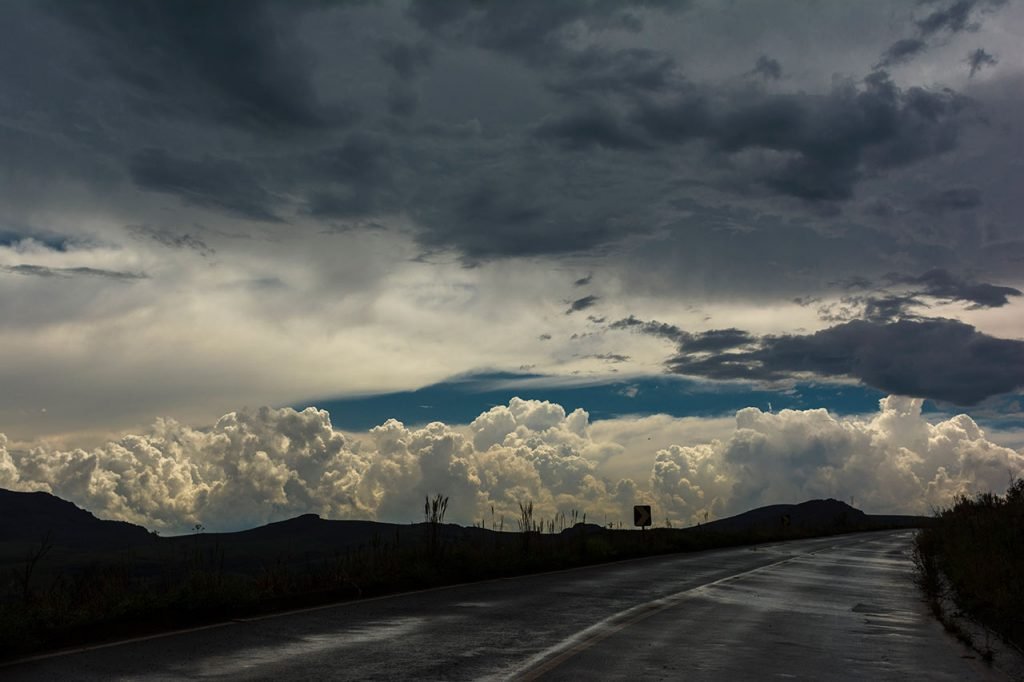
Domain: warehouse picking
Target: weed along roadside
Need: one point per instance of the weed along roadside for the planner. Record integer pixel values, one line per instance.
(59, 594)
(972, 558)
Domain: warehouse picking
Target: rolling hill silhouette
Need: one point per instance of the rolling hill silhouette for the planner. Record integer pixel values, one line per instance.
(27, 518)
(33, 517)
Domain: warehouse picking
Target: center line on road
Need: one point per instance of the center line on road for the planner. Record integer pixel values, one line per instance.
(551, 658)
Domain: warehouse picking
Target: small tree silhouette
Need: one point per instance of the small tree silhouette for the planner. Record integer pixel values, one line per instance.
(31, 561)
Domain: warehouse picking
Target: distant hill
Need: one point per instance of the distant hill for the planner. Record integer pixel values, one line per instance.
(807, 516)
(26, 518)
(31, 517)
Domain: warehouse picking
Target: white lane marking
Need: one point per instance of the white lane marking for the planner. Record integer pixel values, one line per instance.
(552, 657)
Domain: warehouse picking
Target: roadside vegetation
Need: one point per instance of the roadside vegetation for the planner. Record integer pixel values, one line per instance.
(52, 597)
(974, 555)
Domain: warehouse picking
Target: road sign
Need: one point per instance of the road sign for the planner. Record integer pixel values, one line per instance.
(641, 515)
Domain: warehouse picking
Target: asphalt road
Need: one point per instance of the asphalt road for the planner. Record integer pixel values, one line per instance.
(834, 608)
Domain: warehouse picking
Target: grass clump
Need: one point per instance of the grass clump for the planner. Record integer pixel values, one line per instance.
(975, 552)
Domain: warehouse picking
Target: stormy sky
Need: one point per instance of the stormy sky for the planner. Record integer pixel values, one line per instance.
(704, 253)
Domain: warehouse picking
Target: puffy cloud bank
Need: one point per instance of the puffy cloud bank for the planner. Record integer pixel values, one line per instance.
(259, 466)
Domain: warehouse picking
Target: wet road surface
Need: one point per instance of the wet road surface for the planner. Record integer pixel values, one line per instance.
(832, 608)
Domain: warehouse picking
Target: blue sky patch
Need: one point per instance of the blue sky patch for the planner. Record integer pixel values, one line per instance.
(461, 399)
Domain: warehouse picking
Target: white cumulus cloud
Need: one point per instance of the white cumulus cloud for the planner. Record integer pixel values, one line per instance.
(253, 467)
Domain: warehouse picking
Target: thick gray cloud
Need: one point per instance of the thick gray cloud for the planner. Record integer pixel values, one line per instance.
(957, 16)
(954, 199)
(596, 71)
(768, 68)
(314, 167)
(535, 30)
(236, 62)
(945, 285)
(902, 51)
(827, 142)
(715, 340)
(653, 328)
(408, 61)
(592, 128)
(221, 184)
(940, 359)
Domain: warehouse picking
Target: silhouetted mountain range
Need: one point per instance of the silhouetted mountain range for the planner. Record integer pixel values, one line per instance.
(813, 515)
(33, 517)
(26, 519)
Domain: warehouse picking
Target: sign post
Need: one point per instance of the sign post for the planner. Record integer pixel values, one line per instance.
(641, 515)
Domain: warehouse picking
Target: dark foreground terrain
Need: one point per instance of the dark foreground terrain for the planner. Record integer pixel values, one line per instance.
(71, 579)
(974, 551)
(840, 608)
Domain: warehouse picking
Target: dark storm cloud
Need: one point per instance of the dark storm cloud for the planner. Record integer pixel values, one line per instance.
(940, 359)
(582, 304)
(825, 144)
(602, 71)
(954, 18)
(942, 284)
(902, 51)
(901, 297)
(355, 178)
(953, 199)
(407, 60)
(402, 100)
(583, 168)
(715, 340)
(700, 342)
(362, 157)
(767, 68)
(514, 213)
(535, 30)
(590, 128)
(977, 59)
(583, 281)
(233, 61)
(837, 138)
(959, 16)
(488, 208)
(43, 271)
(220, 184)
(891, 307)
(653, 328)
